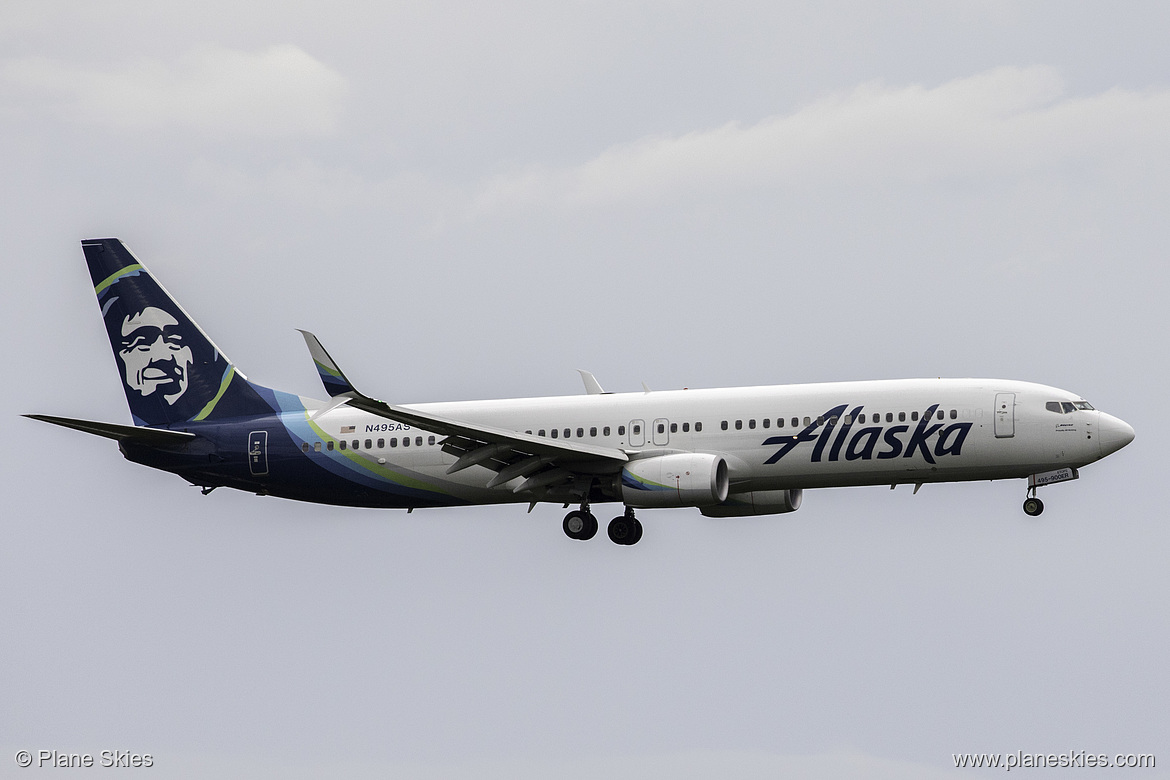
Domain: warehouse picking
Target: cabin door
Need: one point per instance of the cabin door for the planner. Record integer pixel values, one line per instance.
(637, 433)
(258, 453)
(1005, 415)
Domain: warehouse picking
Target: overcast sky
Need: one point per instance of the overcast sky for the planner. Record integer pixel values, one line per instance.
(473, 200)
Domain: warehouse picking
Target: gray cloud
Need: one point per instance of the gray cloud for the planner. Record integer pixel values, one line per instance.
(1005, 120)
(277, 91)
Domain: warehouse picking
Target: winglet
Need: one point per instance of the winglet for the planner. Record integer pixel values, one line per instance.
(592, 386)
(331, 376)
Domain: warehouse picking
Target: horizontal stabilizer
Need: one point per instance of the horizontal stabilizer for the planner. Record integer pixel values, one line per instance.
(153, 436)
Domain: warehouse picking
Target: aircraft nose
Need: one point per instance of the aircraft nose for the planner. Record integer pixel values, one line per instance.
(1113, 433)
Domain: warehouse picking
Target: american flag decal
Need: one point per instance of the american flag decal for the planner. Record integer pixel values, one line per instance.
(347, 429)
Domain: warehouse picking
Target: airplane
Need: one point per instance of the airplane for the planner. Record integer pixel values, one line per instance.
(730, 452)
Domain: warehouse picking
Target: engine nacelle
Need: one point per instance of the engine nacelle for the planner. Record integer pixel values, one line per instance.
(686, 479)
(757, 502)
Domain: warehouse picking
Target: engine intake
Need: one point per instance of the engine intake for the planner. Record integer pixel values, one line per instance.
(686, 479)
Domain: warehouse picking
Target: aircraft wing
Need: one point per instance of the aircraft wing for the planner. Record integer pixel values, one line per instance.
(544, 463)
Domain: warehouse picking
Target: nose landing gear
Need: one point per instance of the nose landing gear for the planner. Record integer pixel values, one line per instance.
(1032, 505)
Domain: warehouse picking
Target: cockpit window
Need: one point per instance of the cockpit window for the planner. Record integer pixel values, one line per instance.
(1068, 407)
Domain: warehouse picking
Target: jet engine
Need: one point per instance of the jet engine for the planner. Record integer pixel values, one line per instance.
(757, 502)
(685, 479)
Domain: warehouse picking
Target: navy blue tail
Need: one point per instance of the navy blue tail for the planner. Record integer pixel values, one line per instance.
(171, 371)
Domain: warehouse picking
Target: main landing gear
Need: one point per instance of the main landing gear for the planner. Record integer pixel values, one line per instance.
(1032, 505)
(625, 529)
(581, 524)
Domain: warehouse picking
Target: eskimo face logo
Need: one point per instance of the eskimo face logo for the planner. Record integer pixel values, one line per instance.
(154, 355)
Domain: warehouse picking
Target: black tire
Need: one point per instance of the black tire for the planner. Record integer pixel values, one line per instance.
(1033, 507)
(590, 527)
(577, 526)
(621, 530)
(637, 537)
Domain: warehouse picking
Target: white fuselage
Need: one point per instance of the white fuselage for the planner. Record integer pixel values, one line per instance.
(773, 437)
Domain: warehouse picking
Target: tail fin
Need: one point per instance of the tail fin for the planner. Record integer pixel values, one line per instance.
(171, 371)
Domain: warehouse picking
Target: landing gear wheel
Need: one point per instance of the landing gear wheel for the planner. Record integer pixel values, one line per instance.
(1033, 506)
(580, 525)
(625, 529)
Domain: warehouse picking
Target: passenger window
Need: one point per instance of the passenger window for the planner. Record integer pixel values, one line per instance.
(369, 444)
(674, 427)
(914, 416)
(341, 444)
(779, 422)
(820, 419)
(357, 445)
(393, 443)
(329, 446)
(554, 433)
(528, 432)
(723, 425)
(901, 417)
(431, 440)
(605, 431)
(807, 421)
(848, 419)
(940, 414)
(954, 414)
(540, 432)
(796, 422)
(686, 427)
(833, 420)
(698, 427)
(1068, 407)
(593, 431)
(418, 441)
(766, 422)
(316, 446)
(861, 419)
(580, 433)
(889, 416)
(739, 425)
(636, 430)
(405, 441)
(381, 444)
(752, 424)
(305, 447)
(568, 433)
(621, 430)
